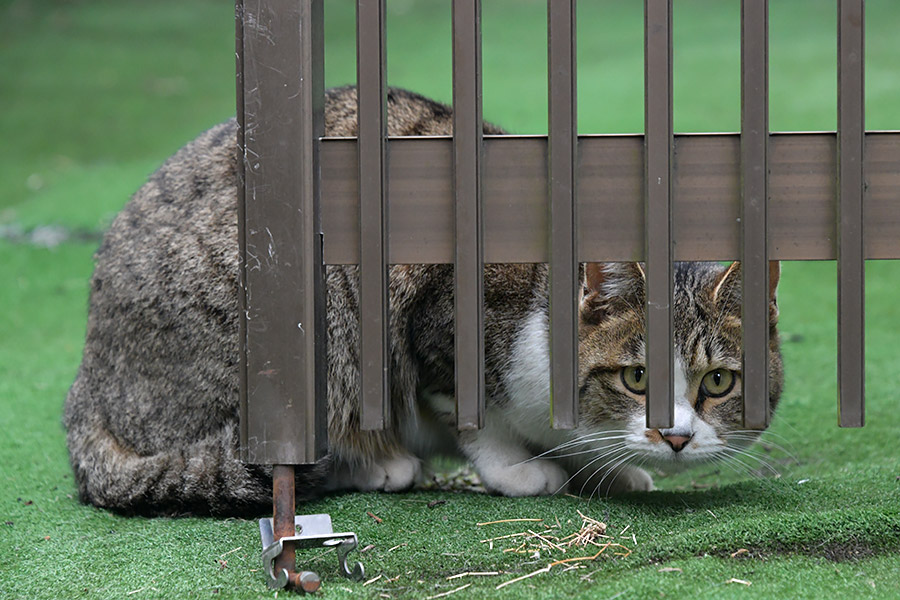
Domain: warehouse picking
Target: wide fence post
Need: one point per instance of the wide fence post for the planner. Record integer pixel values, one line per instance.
(280, 110)
(280, 119)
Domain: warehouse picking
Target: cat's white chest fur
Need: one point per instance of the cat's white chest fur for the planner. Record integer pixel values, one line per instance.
(528, 385)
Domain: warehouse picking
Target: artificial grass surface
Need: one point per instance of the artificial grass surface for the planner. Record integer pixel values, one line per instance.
(96, 94)
(833, 513)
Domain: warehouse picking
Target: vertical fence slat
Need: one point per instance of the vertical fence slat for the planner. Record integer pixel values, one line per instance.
(754, 196)
(562, 157)
(242, 241)
(467, 159)
(374, 343)
(850, 250)
(281, 117)
(658, 209)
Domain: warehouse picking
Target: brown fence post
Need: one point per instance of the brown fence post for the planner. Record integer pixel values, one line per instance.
(659, 140)
(280, 121)
(374, 311)
(469, 260)
(850, 217)
(754, 203)
(282, 326)
(562, 158)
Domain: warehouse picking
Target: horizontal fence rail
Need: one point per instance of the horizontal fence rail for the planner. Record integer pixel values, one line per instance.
(706, 198)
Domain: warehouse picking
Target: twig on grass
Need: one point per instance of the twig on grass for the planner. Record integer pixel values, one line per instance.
(447, 593)
(503, 537)
(473, 574)
(547, 541)
(510, 521)
(532, 574)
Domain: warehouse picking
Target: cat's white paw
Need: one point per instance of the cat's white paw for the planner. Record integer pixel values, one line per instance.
(393, 474)
(532, 478)
(630, 479)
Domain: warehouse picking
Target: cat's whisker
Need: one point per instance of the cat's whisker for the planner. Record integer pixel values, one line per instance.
(613, 450)
(767, 433)
(751, 451)
(753, 456)
(570, 454)
(764, 439)
(751, 473)
(610, 455)
(585, 439)
(605, 467)
(748, 470)
(614, 468)
(740, 469)
(619, 470)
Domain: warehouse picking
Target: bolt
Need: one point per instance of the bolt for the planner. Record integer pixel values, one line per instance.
(307, 581)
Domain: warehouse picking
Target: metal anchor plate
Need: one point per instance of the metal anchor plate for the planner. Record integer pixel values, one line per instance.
(312, 531)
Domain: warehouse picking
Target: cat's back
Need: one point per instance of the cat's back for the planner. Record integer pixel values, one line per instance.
(152, 416)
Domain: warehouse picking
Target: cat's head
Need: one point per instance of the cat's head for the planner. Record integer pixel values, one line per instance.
(707, 386)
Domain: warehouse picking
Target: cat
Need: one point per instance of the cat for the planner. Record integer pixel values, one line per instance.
(152, 416)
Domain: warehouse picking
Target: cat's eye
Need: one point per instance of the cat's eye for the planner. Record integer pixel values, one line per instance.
(717, 383)
(635, 379)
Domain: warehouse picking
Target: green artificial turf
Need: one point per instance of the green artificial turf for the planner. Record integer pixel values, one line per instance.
(96, 94)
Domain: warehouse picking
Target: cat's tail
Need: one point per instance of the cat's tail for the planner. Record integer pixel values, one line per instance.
(204, 477)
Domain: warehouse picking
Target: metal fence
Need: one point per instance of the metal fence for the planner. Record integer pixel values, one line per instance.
(755, 196)
(762, 196)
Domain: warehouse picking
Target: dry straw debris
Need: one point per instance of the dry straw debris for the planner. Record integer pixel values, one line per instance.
(551, 541)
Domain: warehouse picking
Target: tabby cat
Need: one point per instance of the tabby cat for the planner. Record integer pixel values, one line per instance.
(152, 417)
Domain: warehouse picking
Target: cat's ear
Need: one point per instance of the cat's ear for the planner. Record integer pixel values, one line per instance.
(727, 287)
(605, 285)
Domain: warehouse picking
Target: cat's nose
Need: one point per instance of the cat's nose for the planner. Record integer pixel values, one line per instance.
(677, 442)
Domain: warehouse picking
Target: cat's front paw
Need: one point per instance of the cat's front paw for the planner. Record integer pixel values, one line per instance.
(533, 478)
(393, 474)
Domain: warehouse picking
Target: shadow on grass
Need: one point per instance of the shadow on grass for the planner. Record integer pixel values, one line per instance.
(759, 518)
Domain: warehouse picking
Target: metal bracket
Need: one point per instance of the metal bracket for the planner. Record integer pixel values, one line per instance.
(312, 531)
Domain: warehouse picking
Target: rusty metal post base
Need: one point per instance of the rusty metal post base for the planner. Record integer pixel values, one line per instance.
(285, 532)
